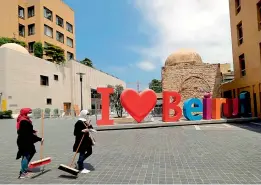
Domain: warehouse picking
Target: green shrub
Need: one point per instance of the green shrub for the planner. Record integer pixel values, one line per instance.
(5, 40)
(38, 49)
(6, 114)
(56, 111)
(47, 111)
(37, 113)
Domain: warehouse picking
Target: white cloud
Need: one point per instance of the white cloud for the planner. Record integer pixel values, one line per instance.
(202, 25)
(146, 66)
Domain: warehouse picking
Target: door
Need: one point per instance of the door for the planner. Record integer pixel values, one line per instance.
(67, 108)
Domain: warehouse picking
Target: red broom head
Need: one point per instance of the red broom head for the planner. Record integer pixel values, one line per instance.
(42, 162)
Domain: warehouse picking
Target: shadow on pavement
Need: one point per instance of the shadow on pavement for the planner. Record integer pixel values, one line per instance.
(68, 176)
(251, 126)
(88, 166)
(40, 173)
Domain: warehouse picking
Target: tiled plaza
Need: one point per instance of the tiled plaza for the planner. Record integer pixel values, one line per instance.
(222, 153)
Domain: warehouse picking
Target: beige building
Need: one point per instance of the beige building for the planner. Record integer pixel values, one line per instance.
(245, 22)
(27, 81)
(184, 72)
(46, 21)
(227, 73)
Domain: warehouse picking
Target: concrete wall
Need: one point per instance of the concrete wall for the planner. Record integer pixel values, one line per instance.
(23, 87)
(2, 77)
(93, 78)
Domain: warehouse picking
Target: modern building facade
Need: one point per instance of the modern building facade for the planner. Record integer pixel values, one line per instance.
(28, 81)
(245, 20)
(227, 73)
(45, 21)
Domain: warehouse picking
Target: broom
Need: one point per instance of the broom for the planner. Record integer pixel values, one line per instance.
(69, 168)
(42, 161)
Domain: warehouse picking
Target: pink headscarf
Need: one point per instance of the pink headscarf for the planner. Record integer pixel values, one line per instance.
(23, 116)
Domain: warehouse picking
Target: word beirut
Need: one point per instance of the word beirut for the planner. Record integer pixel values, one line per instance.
(138, 105)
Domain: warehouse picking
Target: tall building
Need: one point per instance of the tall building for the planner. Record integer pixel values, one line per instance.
(245, 20)
(46, 21)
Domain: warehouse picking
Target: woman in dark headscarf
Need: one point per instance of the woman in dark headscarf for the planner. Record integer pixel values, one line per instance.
(25, 140)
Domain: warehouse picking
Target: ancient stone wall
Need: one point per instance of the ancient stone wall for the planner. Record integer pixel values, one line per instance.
(191, 80)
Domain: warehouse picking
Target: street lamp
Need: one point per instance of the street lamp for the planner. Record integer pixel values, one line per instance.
(81, 74)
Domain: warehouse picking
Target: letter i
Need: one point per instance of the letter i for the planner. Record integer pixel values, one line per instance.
(207, 107)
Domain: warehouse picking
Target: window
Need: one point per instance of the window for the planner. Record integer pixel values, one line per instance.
(49, 101)
(259, 15)
(242, 65)
(238, 6)
(31, 29)
(70, 56)
(48, 31)
(31, 47)
(240, 33)
(48, 14)
(21, 30)
(59, 37)
(69, 42)
(55, 77)
(30, 11)
(21, 12)
(44, 80)
(69, 27)
(59, 21)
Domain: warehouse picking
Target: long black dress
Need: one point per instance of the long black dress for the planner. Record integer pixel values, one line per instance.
(26, 139)
(87, 141)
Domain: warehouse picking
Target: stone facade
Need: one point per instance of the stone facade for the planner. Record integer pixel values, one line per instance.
(185, 73)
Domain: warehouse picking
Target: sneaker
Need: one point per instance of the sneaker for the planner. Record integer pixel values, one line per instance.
(85, 171)
(23, 175)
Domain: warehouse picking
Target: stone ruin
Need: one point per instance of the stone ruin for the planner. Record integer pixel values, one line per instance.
(185, 73)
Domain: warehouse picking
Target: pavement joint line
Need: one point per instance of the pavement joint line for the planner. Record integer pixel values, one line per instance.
(197, 127)
(229, 126)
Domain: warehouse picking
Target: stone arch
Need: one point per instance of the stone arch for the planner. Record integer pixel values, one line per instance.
(194, 87)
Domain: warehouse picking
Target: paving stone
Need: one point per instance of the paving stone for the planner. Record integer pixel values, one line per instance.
(146, 156)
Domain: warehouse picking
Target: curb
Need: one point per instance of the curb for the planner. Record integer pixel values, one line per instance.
(173, 124)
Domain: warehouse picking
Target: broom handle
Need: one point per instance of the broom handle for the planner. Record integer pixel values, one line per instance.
(41, 149)
(77, 150)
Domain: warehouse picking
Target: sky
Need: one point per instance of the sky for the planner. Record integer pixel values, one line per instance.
(131, 39)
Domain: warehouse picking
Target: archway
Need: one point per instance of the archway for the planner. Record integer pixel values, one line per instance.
(194, 87)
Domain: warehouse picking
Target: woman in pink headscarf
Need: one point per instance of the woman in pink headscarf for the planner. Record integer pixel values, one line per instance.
(25, 140)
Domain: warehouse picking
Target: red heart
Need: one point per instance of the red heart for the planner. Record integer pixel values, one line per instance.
(138, 105)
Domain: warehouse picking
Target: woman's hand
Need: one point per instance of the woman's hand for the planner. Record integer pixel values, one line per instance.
(42, 140)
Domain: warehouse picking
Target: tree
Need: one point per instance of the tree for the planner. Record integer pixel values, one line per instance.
(156, 85)
(38, 49)
(5, 40)
(55, 53)
(115, 99)
(87, 62)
